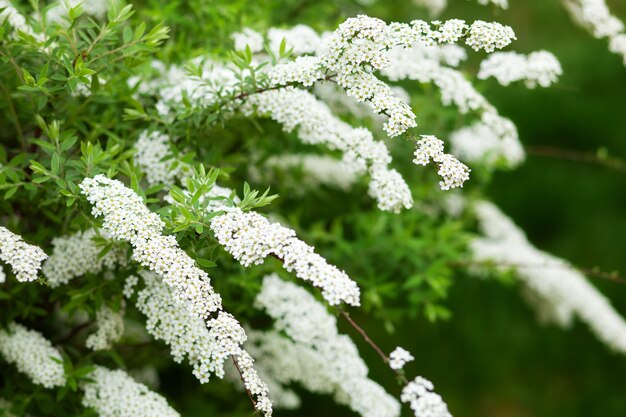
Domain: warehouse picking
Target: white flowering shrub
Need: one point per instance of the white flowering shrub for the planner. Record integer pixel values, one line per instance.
(202, 204)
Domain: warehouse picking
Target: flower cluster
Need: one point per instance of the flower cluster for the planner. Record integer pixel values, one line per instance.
(563, 292)
(95, 8)
(33, 355)
(399, 357)
(126, 217)
(206, 346)
(537, 68)
(422, 400)
(152, 153)
(250, 238)
(113, 393)
(314, 354)
(77, 254)
(452, 172)
(434, 7)
(317, 125)
(597, 18)
(489, 141)
(501, 141)
(110, 328)
(25, 259)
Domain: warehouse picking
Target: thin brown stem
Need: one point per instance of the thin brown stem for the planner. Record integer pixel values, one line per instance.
(73, 332)
(363, 333)
(16, 120)
(578, 156)
(591, 272)
(244, 385)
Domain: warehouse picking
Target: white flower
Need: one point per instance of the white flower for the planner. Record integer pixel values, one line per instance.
(113, 393)
(77, 254)
(248, 38)
(399, 357)
(313, 354)
(503, 4)
(538, 68)
(33, 355)
(250, 238)
(127, 218)
(154, 157)
(452, 172)
(318, 169)
(110, 327)
(422, 400)
(560, 291)
(25, 259)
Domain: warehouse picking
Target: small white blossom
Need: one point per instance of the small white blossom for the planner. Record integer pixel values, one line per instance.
(33, 355)
(77, 254)
(110, 328)
(248, 38)
(503, 4)
(538, 68)
(452, 172)
(399, 357)
(25, 259)
(422, 400)
(313, 354)
(560, 291)
(250, 238)
(126, 217)
(113, 393)
(154, 157)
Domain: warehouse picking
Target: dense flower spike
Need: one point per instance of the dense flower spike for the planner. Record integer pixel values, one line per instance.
(25, 259)
(110, 328)
(597, 18)
(452, 172)
(538, 68)
(77, 254)
(250, 238)
(317, 125)
(422, 400)
(562, 291)
(33, 355)
(315, 354)
(126, 217)
(481, 143)
(205, 348)
(429, 65)
(113, 393)
(152, 153)
(399, 357)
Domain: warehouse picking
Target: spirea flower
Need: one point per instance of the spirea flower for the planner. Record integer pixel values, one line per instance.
(452, 172)
(250, 238)
(33, 355)
(538, 68)
(399, 357)
(422, 400)
(110, 328)
(206, 346)
(113, 393)
(25, 259)
(77, 254)
(294, 108)
(126, 217)
(248, 38)
(152, 157)
(314, 354)
(503, 4)
(560, 291)
(489, 142)
(595, 16)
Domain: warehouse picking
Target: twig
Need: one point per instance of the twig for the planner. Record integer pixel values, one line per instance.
(72, 333)
(577, 156)
(591, 272)
(244, 386)
(370, 342)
